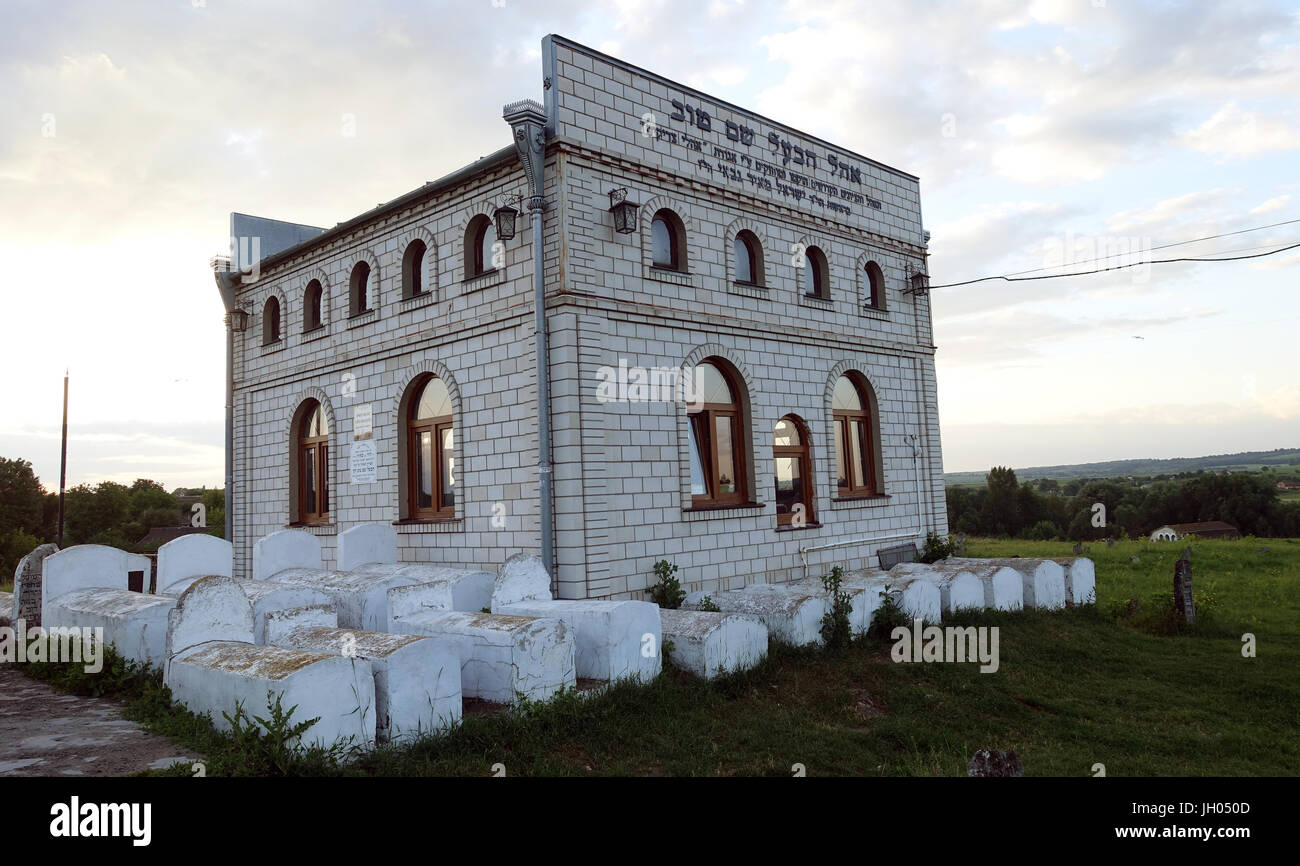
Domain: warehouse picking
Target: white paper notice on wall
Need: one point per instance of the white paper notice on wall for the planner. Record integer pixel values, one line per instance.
(363, 418)
(362, 462)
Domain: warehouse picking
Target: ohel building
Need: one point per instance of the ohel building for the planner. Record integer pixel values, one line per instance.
(737, 363)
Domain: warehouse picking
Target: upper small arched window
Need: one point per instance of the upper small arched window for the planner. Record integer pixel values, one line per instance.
(816, 274)
(359, 292)
(667, 241)
(874, 279)
(271, 321)
(312, 301)
(749, 259)
(480, 244)
(413, 269)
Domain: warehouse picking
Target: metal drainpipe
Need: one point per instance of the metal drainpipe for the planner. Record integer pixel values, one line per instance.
(536, 205)
(921, 523)
(229, 493)
(527, 121)
(227, 281)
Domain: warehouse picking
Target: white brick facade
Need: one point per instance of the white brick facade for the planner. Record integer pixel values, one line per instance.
(622, 482)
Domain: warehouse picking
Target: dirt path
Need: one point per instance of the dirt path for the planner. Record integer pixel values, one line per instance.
(44, 732)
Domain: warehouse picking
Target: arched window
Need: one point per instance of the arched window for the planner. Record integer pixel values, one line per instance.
(313, 464)
(311, 306)
(718, 436)
(359, 293)
(749, 259)
(430, 443)
(413, 269)
(667, 241)
(875, 282)
(856, 437)
(480, 238)
(816, 274)
(790, 450)
(271, 321)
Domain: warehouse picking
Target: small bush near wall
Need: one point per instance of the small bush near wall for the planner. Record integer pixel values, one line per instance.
(667, 590)
(937, 548)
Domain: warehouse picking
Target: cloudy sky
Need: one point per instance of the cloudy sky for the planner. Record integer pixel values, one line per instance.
(1046, 134)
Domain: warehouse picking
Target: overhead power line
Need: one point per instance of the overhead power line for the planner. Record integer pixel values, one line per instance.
(1015, 279)
(1161, 247)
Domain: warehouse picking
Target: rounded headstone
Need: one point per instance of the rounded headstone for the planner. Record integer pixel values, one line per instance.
(212, 609)
(521, 578)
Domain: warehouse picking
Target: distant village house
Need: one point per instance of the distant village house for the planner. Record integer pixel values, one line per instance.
(1208, 529)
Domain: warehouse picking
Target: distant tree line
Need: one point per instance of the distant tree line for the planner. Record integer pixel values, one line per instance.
(1046, 509)
(104, 513)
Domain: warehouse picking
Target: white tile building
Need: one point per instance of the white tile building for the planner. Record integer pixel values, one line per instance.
(623, 482)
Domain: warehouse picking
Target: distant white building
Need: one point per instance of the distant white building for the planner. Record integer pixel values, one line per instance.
(1206, 529)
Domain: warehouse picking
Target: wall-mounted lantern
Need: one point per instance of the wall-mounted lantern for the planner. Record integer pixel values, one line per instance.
(920, 283)
(504, 217)
(623, 210)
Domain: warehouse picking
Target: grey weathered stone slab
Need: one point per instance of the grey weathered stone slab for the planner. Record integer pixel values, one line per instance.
(792, 616)
(27, 585)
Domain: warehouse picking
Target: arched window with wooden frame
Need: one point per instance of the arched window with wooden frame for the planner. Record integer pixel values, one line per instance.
(271, 321)
(857, 437)
(431, 452)
(359, 289)
(748, 255)
(312, 454)
(480, 240)
(413, 269)
(792, 456)
(874, 281)
(312, 301)
(719, 437)
(667, 241)
(816, 274)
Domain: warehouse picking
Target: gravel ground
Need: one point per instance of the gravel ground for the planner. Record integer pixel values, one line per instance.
(44, 732)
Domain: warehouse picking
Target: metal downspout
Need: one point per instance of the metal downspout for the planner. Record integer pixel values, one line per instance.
(527, 121)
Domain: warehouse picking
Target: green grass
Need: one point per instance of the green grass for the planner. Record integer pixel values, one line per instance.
(1074, 688)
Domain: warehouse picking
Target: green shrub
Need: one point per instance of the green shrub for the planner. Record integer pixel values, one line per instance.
(273, 746)
(889, 616)
(1044, 530)
(667, 590)
(708, 604)
(937, 548)
(835, 622)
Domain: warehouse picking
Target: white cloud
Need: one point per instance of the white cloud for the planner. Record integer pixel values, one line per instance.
(1234, 132)
(1274, 204)
(1283, 403)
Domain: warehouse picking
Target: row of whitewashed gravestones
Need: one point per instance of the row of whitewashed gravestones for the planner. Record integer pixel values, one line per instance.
(377, 649)
(793, 611)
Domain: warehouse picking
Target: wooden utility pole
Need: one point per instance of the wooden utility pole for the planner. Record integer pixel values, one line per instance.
(63, 457)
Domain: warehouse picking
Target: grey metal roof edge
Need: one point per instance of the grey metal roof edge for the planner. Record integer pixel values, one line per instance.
(286, 222)
(486, 163)
(629, 67)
